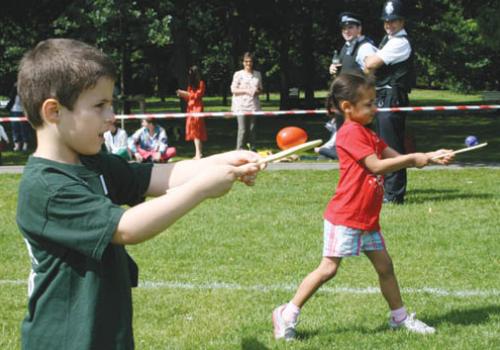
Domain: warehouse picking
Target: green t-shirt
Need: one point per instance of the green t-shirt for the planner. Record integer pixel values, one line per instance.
(80, 283)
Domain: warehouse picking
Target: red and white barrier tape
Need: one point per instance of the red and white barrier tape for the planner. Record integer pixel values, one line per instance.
(276, 113)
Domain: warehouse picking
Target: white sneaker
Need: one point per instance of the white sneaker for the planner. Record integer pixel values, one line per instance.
(282, 330)
(25, 147)
(412, 325)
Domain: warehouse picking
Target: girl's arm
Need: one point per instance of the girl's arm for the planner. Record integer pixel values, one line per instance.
(387, 165)
(393, 161)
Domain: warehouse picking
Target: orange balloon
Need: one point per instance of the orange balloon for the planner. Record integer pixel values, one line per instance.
(290, 136)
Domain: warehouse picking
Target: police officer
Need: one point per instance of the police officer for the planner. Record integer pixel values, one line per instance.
(353, 53)
(395, 75)
(356, 47)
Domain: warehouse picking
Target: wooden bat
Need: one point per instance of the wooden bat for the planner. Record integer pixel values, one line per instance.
(290, 151)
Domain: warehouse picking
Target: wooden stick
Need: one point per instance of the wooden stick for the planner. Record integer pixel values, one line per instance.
(290, 151)
(462, 150)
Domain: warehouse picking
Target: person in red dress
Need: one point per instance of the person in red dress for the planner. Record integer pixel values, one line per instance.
(195, 126)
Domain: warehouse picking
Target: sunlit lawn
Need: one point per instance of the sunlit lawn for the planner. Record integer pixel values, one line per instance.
(212, 280)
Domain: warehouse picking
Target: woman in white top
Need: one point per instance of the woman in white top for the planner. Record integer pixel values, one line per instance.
(246, 87)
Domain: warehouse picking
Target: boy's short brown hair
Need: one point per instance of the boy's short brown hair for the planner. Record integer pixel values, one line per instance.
(61, 69)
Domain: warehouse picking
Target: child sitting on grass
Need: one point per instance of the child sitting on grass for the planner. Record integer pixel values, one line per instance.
(71, 195)
(351, 218)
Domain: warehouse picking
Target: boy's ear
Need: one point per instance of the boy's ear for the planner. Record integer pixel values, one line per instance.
(50, 110)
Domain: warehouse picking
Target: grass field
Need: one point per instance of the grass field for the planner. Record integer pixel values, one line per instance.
(212, 280)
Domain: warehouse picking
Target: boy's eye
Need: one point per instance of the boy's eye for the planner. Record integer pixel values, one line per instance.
(101, 105)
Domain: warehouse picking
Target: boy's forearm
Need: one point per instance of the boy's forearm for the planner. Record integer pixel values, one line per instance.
(165, 176)
(146, 220)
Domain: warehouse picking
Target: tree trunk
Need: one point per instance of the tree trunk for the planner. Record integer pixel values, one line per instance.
(180, 58)
(284, 72)
(125, 74)
(239, 33)
(125, 78)
(307, 53)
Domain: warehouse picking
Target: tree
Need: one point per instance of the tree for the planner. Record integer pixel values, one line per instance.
(154, 42)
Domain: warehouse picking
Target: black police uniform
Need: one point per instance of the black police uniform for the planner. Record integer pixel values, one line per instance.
(349, 52)
(348, 55)
(394, 83)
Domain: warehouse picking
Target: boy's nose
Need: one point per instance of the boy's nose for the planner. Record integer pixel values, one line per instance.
(109, 115)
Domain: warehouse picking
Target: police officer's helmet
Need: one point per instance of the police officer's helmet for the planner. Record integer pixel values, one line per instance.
(346, 18)
(393, 10)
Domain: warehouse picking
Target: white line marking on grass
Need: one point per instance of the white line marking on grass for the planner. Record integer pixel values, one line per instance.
(290, 288)
(12, 282)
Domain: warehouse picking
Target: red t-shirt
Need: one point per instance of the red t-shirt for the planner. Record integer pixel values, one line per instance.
(359, 195)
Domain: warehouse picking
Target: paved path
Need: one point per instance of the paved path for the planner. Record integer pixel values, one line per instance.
(18, 169)
(11, 169)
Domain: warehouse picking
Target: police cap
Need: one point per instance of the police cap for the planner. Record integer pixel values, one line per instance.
(392, 10)
(346, 18)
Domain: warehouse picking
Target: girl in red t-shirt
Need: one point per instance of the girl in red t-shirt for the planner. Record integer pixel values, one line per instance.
(195, 126)
(351, 218)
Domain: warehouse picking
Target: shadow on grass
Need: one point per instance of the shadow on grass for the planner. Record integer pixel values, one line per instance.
(467, 317)
(419, 196)
(303, 335)
(252, 344)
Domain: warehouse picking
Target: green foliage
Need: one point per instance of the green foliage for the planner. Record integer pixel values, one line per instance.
(489, 23)
(451, 52)
(153, 42)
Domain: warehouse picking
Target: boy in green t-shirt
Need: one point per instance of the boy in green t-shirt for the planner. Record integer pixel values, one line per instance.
(70, 198)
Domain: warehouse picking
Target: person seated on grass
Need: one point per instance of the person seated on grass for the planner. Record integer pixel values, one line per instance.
(351, 219)
(150, 143)
(71, 196)
(115, 140)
